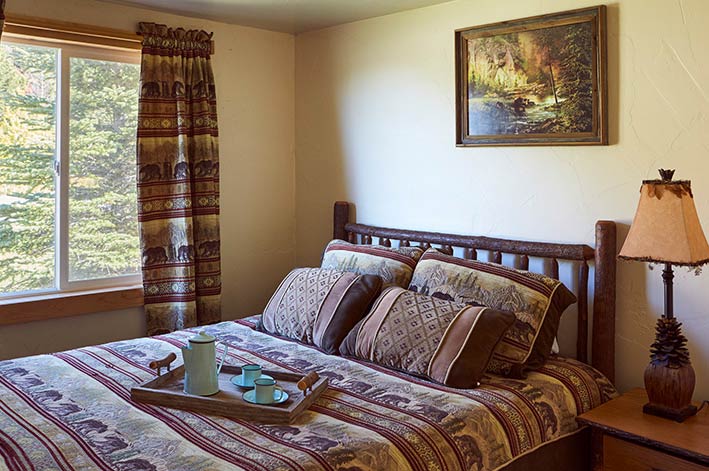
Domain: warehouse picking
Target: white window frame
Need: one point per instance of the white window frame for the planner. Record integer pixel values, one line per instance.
(67, 51)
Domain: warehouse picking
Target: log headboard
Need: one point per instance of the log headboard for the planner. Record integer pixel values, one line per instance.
(603, 256)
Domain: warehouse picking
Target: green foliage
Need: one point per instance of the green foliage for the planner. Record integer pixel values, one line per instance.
(576, 77)
(27, 96)
(549, 42)
(102, 211)
(103, 221)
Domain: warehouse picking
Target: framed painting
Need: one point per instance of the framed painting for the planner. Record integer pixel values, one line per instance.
(533, 81)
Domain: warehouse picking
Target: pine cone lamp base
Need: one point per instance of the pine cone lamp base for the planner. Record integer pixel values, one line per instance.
(669, 378)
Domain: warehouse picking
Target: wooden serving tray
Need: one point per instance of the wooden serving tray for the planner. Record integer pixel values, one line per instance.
(167, 390)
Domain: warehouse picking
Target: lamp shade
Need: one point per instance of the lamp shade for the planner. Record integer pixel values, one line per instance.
(666, 227)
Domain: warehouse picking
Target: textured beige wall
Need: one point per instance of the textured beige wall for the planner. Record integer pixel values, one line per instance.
(254, 73)
(376, 126)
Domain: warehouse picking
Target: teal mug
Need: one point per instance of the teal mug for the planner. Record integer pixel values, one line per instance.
(267, 392)
(249, 373)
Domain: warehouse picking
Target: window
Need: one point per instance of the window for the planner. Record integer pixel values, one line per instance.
(68, 212)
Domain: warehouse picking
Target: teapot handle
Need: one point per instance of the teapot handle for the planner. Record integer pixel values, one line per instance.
(221, 362)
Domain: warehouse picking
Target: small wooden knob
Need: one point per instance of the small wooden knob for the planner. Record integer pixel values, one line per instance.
(308, 380)
(165, 362)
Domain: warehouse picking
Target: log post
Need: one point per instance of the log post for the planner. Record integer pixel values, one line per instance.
(341, 218)
(603, 343)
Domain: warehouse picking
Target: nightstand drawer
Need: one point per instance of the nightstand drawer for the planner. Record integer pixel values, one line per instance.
(620, 455)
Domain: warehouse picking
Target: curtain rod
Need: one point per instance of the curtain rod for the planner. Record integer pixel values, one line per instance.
(74, 32)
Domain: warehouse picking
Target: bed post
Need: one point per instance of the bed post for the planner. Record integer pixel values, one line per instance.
(340, 219)
(603, 354)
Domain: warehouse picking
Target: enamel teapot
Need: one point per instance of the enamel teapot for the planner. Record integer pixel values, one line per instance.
(201, 369)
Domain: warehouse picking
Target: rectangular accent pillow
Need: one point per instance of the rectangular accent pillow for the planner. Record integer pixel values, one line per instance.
(537, 301)
(319, 307)
(394, 265)
(447, 342)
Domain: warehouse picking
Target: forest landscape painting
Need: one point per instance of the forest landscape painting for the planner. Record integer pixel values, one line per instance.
(536, 81)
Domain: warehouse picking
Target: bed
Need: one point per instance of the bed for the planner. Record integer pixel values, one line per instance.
(72, 410)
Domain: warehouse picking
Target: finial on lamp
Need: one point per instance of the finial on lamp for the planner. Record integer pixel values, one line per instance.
(666, 174)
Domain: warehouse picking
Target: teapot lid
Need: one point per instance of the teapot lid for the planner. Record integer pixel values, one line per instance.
(202, 337)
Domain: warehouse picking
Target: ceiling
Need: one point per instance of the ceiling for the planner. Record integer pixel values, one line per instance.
(290, 16)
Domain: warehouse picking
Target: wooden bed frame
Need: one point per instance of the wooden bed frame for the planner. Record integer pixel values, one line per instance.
(572, 451)
(603, 257)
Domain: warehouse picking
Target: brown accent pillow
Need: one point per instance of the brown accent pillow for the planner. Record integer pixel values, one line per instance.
(447, 342)
(319, 307)
(394, 265)
(537, 301)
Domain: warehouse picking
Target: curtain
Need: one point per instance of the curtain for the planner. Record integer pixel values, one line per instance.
(2, 15)
(178, 180)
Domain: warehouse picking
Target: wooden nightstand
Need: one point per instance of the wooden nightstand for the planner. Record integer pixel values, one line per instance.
(626, 439)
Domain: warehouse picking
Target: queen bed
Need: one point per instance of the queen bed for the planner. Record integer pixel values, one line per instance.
(73, 410)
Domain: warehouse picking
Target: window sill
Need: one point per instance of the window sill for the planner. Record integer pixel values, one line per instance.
(66, 304)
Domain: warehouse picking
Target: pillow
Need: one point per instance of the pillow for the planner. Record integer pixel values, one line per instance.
(319, 307)
(394, 265)
(537, 301)
(447, 342)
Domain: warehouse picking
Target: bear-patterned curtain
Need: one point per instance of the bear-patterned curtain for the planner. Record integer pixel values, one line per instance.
(178, 179)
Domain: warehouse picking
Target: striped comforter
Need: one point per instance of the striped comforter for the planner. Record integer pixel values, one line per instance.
(72, 410)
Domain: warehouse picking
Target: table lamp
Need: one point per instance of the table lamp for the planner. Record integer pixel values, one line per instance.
(666, 230)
